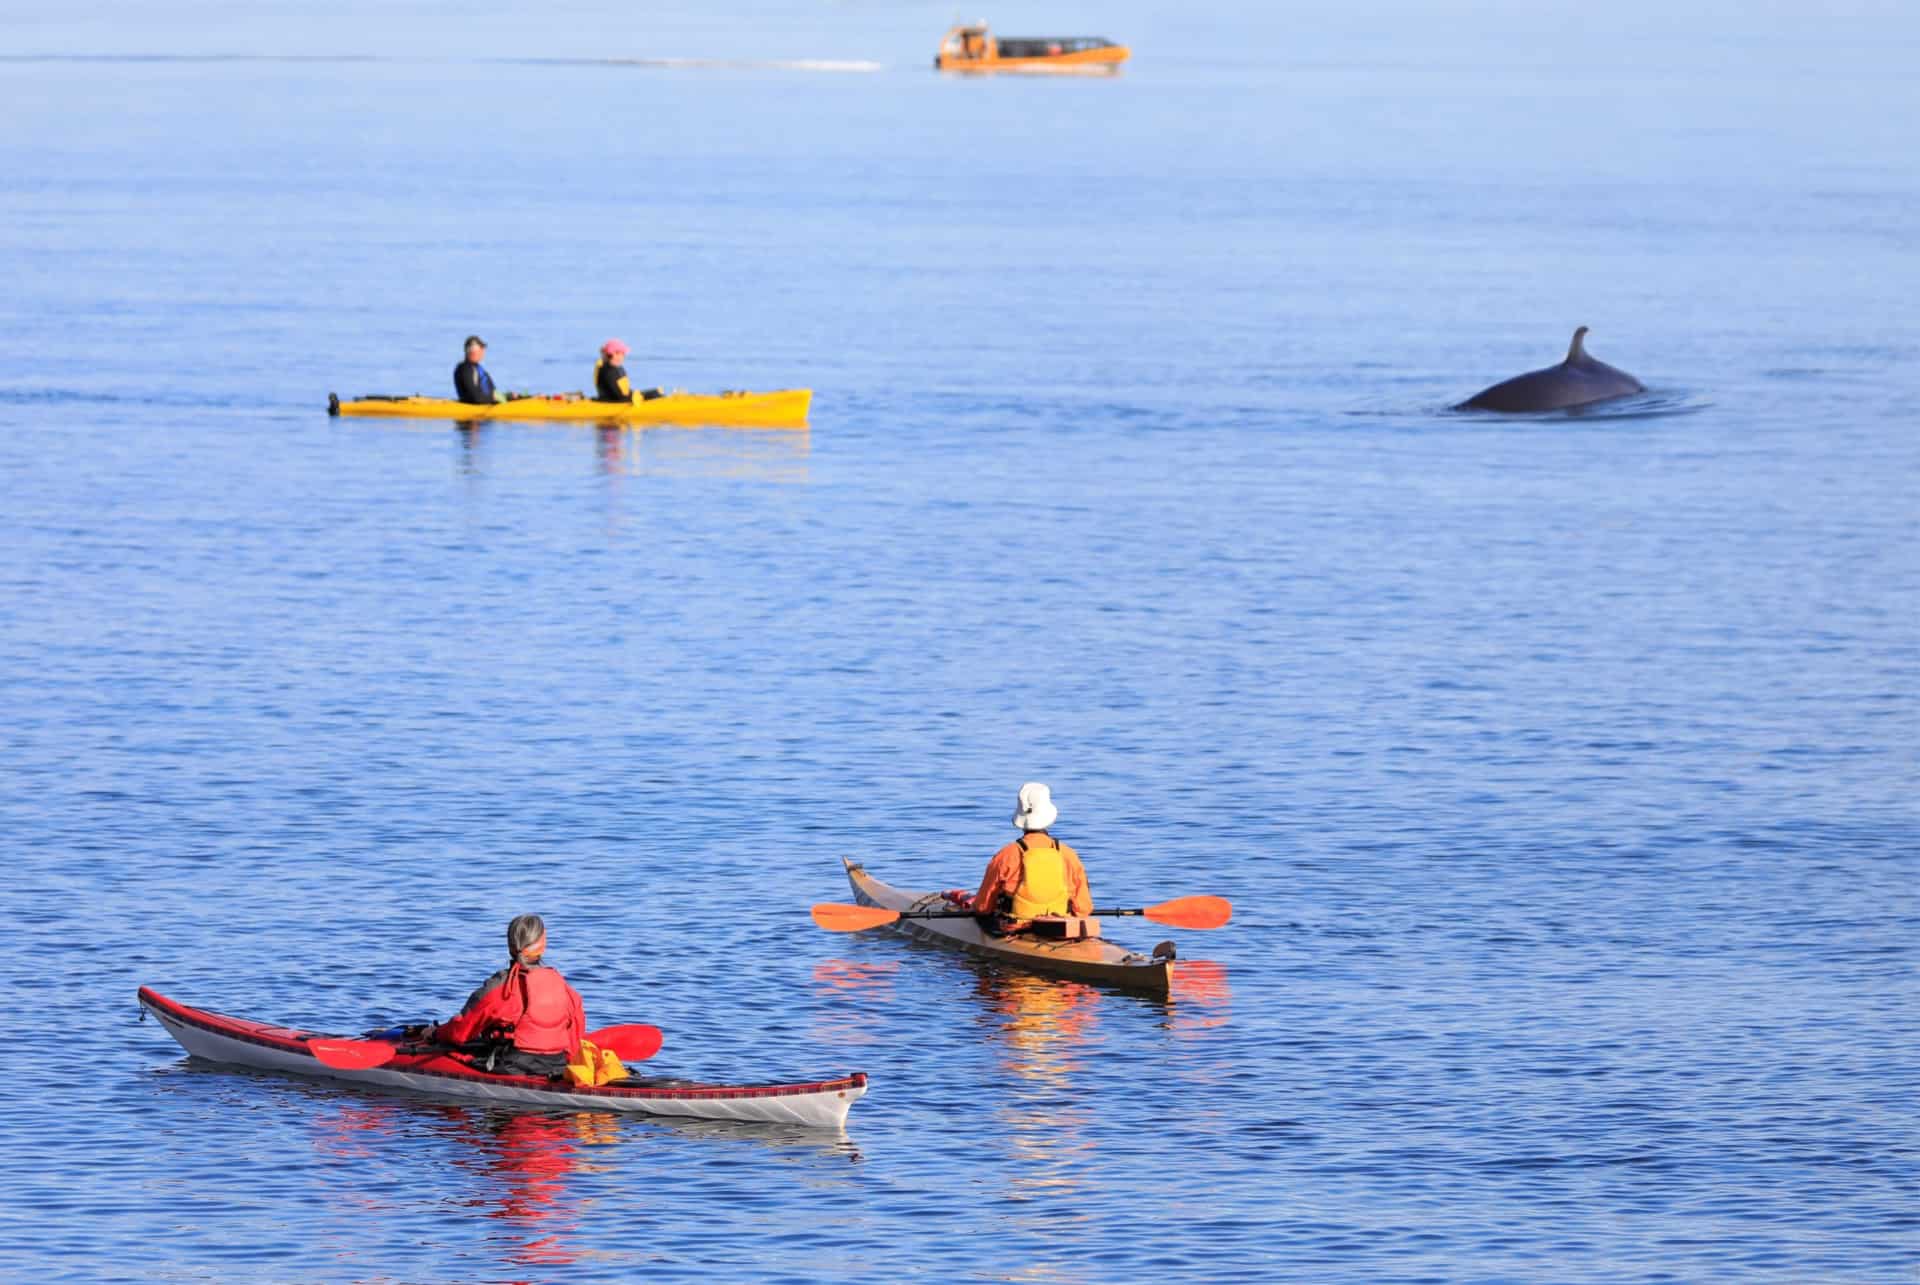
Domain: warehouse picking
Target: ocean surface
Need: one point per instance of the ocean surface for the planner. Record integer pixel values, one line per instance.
(1561, 769)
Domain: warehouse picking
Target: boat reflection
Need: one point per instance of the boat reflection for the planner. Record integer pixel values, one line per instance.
(739, 454)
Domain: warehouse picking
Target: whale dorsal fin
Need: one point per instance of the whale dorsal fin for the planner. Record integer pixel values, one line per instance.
(1577, 351)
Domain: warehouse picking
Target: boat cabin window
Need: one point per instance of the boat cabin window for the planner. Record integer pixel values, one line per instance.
(1049, 46)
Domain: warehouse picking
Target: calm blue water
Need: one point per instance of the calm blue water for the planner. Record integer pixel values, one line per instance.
(1561, 770)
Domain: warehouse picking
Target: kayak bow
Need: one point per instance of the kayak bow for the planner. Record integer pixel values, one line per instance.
(442, 1073)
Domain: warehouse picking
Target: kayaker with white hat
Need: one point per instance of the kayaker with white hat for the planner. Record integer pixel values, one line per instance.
(525, 1019)
(1034, 875)
(610, 376)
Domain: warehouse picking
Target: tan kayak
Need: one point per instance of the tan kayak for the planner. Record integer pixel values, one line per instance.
(1092, 960)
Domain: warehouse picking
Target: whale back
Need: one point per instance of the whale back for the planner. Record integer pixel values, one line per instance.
(1578, 380)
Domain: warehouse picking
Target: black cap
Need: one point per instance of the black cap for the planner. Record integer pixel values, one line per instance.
(472, 340)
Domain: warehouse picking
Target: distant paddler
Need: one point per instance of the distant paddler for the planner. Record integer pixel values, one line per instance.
(1034, 875)
(471, 382)
(610, 377)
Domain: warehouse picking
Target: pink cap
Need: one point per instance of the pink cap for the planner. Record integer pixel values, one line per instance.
(614, 348)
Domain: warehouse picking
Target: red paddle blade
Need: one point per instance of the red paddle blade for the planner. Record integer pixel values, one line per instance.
(851, 919)
(1192, 912)
(350, 1055)
(632, 1043)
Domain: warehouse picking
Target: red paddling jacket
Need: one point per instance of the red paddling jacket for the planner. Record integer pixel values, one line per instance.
(533, 1006)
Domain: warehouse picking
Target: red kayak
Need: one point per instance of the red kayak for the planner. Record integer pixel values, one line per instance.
(443, 1073)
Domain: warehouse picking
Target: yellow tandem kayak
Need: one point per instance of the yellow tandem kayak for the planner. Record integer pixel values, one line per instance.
(783, 408)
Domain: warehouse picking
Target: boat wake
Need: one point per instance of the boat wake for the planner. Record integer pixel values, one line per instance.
(860, 65)
(855, 65)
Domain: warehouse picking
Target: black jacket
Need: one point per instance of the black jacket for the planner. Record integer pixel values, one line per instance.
(472, 384)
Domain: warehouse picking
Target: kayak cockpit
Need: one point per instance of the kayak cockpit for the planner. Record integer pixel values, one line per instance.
(1058, 928)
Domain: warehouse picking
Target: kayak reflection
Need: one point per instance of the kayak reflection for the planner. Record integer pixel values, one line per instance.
(739, 454)
(654, 450)
(345, 1131)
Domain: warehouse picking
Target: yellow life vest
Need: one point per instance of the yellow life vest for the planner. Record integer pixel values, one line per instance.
(596, 1066)
(1043, 882)
(620, 385)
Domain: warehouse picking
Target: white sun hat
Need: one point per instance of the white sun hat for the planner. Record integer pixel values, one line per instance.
(1035, 811)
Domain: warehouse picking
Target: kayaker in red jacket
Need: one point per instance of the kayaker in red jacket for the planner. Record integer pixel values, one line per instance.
(1034, 875)
(528, 1014)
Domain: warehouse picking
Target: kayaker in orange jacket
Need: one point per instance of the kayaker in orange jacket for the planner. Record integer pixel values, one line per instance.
(532, 1019)
(1034, 875)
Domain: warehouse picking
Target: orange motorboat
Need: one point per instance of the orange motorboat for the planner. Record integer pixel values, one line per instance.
(974, 48)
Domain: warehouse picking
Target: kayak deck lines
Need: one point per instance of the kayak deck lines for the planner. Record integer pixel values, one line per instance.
(219, 1037)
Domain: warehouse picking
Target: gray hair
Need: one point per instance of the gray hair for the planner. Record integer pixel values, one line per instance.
(524, 931)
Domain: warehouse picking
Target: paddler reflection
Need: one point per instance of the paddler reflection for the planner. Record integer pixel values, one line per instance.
(671, 450)
(526, 1161)
(612, 448)
(1046, 1024)
(1049, 1029)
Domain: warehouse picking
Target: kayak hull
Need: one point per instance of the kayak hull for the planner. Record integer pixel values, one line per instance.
(785, 408)
(1095, 960)
(1106, 64)
(438, 1073)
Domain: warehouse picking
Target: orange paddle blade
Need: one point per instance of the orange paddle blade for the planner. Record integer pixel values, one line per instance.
(351, 1055)
(1192, 912)
(851, 919)
(635, 1042)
